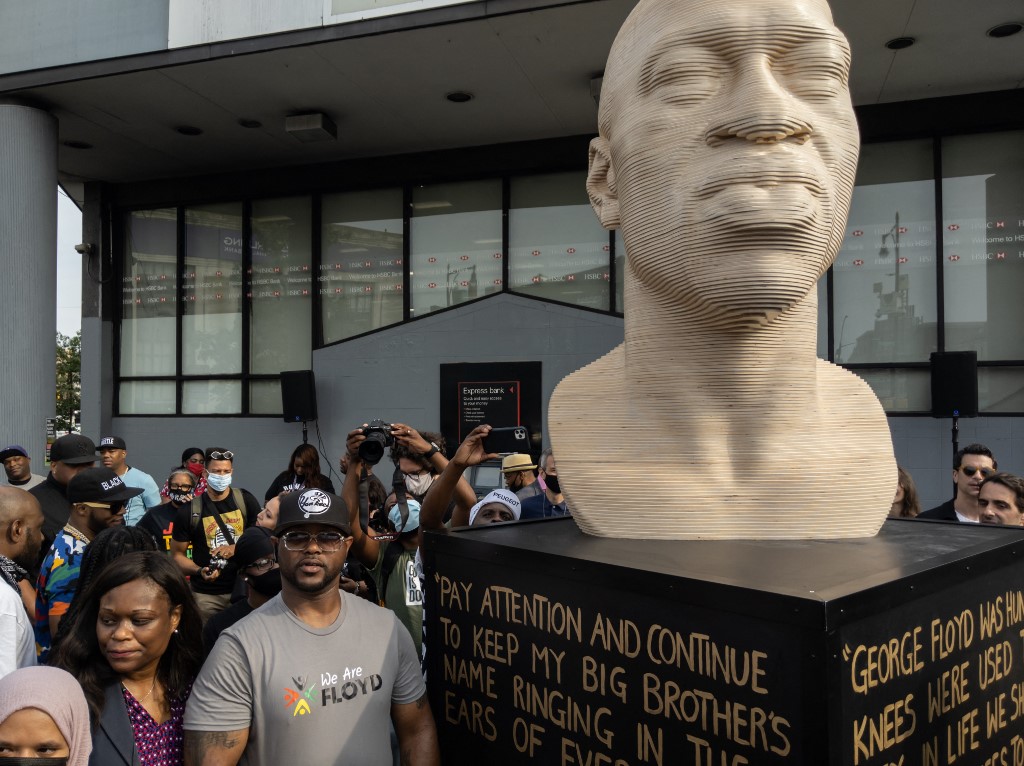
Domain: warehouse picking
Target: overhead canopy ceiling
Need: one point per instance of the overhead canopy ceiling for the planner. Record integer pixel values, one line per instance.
(530, 75)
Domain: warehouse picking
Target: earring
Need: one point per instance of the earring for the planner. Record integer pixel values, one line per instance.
(175, 630)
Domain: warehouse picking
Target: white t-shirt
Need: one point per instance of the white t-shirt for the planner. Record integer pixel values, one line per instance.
(17, 641)
(308, 695)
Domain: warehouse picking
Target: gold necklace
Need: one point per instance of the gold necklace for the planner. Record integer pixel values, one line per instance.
(140, 700)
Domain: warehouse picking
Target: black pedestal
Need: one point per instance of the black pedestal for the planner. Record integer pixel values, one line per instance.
(551, 647)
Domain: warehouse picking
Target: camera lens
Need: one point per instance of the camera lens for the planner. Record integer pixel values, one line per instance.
(372, 450)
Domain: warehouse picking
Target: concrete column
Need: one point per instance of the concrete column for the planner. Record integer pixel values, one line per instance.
(28, 280)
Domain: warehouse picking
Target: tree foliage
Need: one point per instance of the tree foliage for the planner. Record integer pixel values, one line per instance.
(69, 380)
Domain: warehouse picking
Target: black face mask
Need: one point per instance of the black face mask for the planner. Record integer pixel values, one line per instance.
(267, 584)
(33, 761)
(552, 484)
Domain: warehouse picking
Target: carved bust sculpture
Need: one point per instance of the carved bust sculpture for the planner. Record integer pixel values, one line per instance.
(726, 154)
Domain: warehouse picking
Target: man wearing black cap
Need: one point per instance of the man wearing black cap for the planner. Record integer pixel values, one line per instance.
(256, 560)
(114, 454)
(68, 455)
(97, 497)
(18, 467)
(341, 664)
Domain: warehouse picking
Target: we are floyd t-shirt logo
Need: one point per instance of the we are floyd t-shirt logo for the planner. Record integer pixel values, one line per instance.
(314, 503)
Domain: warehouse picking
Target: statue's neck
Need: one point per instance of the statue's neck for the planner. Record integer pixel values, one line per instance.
(761, 361)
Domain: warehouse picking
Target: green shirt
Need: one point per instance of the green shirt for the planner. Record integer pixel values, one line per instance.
(404, 596)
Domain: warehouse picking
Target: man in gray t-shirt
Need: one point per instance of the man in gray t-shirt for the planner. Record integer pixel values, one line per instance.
(313, 675)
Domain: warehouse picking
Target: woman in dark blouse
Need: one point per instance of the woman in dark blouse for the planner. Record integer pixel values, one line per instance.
(135, 647)
(303, 472)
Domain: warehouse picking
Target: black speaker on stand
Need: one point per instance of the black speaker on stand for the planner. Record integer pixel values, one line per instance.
(298, 398)
(955, 388)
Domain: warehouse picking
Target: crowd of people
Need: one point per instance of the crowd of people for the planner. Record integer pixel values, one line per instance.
(146, 599)
(141, 604)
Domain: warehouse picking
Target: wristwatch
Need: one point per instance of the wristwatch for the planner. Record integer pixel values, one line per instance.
(434, 449)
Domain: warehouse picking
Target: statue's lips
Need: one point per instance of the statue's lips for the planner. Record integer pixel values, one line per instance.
(767, 181)
(777, 172)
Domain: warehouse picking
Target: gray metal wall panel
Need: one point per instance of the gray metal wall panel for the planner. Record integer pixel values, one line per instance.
(46, 33)
(28, 258)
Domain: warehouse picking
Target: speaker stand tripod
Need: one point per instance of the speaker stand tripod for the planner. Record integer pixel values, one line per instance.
(305, 433)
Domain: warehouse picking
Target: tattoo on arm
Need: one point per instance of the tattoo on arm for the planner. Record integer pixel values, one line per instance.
(197, 743)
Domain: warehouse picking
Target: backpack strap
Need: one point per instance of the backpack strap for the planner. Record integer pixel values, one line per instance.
(197, 512)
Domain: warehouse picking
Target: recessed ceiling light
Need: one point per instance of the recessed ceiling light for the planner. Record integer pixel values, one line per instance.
(77, 145)
(250, 123)
(1005, 30)
(189, 130)
(459, 97)
(899, 43)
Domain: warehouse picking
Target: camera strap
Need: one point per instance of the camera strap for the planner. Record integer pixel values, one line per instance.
(197, 511)
(398, 485)
(364, 497)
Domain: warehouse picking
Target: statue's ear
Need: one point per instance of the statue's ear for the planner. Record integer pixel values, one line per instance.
(601, 184)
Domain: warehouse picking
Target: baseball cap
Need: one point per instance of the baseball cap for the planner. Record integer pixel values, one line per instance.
(253, 545)
(516, 462)
(73, 449)
(312, 506)
(502, 496)
(395, 514)
(111, 442)
(11, 451)
(99, 485)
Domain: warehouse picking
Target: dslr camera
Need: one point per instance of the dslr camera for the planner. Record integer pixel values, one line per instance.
(217, 562)
(378, 439)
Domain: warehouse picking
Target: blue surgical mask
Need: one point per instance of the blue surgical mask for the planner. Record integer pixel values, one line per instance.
(218, 482)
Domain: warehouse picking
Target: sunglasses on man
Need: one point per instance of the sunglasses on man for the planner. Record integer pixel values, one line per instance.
(970, 470)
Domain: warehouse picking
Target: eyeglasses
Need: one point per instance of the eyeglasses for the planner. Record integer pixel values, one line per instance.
(326, 541)
(414, 474)
(970, 470)
(180, 488)
(114, 508)
(262, 565)
(225, 455)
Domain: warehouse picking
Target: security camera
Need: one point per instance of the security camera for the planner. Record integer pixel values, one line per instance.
(84, 249)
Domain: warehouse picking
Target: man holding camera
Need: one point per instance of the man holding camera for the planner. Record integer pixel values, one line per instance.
(392, 563)
(212, 523)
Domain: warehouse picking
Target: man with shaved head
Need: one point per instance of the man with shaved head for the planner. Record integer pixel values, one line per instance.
(726, 155)
(21, 535)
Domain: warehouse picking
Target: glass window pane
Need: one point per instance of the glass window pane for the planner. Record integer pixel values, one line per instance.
(149, 293)
(456, 244)
(620, 271)
(557, 246)
(823, 317)
(983, 229)
(362, 271)
(282, 278)
(265, 397)
(884, 289)
(900, 390)
(146, 397)
(211, 397)
(1001, 389)
(212, 322)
